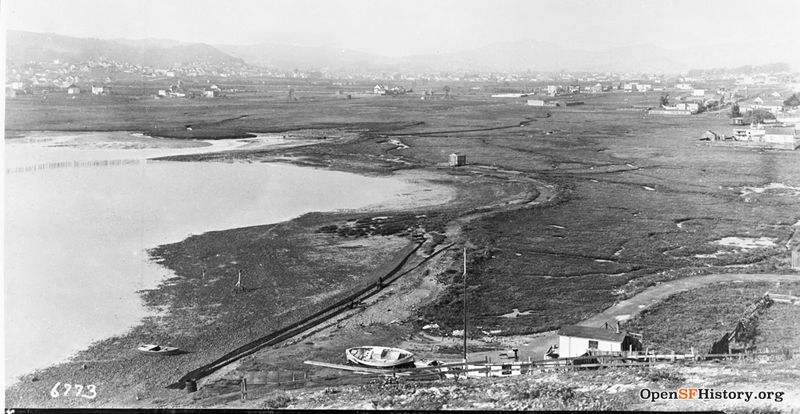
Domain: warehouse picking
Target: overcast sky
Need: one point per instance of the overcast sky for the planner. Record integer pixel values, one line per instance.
(403, 27)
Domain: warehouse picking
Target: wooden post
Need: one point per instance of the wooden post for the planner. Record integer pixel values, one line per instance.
(239, 287)
(465, 306)
(243, 389)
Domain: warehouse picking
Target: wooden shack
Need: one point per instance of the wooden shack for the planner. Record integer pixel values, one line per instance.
(457, 160)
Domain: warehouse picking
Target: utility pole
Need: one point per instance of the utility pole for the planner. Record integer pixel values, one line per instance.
(465, 308)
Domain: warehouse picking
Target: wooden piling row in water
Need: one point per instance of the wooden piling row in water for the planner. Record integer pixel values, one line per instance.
(71, 164)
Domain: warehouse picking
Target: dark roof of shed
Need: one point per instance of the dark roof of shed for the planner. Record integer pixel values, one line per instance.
(592, 333)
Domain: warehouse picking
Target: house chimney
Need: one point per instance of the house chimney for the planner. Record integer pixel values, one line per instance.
(618, 328)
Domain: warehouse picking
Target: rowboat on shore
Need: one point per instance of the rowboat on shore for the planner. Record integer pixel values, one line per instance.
(152, 349)
(379, 356)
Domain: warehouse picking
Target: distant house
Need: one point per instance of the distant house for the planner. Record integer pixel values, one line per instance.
(683, 86)
(73, 90)
(379, 90)
(698, 92)
(211, 93)
(101, 90)
(692, 107)
(738, 120)
(535, 102)
(457, 160)
(574, 341)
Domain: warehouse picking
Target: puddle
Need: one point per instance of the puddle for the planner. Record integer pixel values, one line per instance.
(746, 242)
(399, 144)
(515, 313)
(778, 188)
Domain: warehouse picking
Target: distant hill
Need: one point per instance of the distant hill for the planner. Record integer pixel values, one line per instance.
(290, 57)
(506, 56)
(549, 57)
(27, 46)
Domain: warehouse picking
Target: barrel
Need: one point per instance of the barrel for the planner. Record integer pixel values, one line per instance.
(191, 385)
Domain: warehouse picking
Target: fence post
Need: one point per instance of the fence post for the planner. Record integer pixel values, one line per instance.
(243, 390)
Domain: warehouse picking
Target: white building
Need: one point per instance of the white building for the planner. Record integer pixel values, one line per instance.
(574, 341)
(698, 92)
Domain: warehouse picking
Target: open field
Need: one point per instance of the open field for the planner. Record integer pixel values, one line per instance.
(636, 200)
(699, 317)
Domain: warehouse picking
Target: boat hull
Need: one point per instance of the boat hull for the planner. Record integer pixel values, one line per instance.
(379, 357)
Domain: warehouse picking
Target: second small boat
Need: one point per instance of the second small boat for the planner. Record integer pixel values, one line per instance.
(151, 349)
(379, 356)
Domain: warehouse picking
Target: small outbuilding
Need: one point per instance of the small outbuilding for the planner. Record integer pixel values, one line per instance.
(73, 90)
(710, 136)
(457, 160)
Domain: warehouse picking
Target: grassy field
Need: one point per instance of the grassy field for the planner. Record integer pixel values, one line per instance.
(699, 317)
(638, 200)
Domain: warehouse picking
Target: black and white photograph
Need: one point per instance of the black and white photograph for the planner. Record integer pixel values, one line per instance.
(415, 205)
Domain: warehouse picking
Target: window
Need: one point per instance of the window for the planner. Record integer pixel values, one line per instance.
(592, 344)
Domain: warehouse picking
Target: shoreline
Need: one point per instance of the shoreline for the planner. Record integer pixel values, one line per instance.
(100, 348)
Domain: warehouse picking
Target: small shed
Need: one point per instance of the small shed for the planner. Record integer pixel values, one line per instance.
(574, 340)
(73, 90)
(457, 160)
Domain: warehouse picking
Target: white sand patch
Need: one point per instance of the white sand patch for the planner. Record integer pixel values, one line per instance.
(555, 226)
(648, 188)
(746, 242)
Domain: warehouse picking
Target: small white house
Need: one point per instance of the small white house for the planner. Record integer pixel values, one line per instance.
(574, 340)
(535, 102)
(698, 92)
